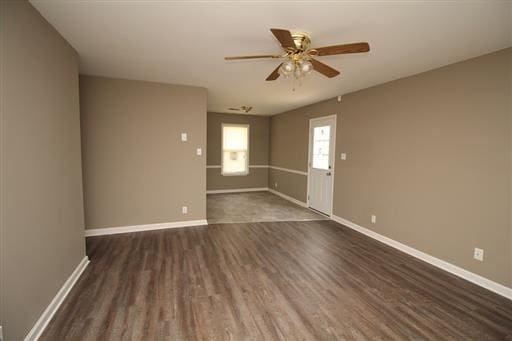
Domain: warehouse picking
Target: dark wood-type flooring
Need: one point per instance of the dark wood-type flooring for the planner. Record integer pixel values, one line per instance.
(270, 281)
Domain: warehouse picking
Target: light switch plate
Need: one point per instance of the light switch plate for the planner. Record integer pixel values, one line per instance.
(478, 254)
(184, 209)
(343, 156)
(199, 151)
(374, 219)
(184, 137)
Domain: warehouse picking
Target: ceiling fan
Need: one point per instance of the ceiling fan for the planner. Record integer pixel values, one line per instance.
(242, 108)
(299, 55)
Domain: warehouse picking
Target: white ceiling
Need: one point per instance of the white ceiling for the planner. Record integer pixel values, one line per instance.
(185, 42)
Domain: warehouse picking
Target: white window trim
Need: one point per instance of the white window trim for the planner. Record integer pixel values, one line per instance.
(222, 149)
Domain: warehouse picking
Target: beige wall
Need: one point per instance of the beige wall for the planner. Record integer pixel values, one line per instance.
(258, 151)
(257, 178)
(136, 168)
(510, 148)
(510, 121)
(42, 236)
(291, 184)
(289, 133)
(430, 155)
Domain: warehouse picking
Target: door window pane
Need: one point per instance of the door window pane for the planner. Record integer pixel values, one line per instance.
(321, 139)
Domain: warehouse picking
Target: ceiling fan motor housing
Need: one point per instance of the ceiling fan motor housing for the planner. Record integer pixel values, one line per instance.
(301, 40)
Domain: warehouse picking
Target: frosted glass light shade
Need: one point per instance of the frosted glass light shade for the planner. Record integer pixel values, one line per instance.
(306, 67)
(287, 68)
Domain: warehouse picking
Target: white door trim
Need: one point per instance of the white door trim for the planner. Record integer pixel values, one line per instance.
(311, 120)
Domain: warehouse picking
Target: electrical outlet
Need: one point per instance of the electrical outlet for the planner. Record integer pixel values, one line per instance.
(199, 151)
(275, 184)
(374, 219)
(478, 254)
(343, 156)
(184, 137)
(184, 209)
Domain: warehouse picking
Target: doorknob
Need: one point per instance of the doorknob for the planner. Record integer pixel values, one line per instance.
(328, 173)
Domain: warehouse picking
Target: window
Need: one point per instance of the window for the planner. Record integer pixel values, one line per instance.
(235, 149)
(321, 139)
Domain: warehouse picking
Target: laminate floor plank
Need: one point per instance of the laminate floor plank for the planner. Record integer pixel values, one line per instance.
(291, 280)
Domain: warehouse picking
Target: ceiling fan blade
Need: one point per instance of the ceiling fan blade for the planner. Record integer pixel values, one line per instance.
(284, 37)
(342, 49)
(251, 57)
(324, 69)
(275, 74)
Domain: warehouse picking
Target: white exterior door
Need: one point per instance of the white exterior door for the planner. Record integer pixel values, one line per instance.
(322, 132)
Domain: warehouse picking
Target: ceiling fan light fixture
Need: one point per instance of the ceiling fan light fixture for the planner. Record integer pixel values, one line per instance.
(287, 68)
(298, 72)
(306, 67)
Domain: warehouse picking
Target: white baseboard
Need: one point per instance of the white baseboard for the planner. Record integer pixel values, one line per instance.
(458, 271)
(147, 227)
(237, 190)
(284, 196)
(54, 305)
